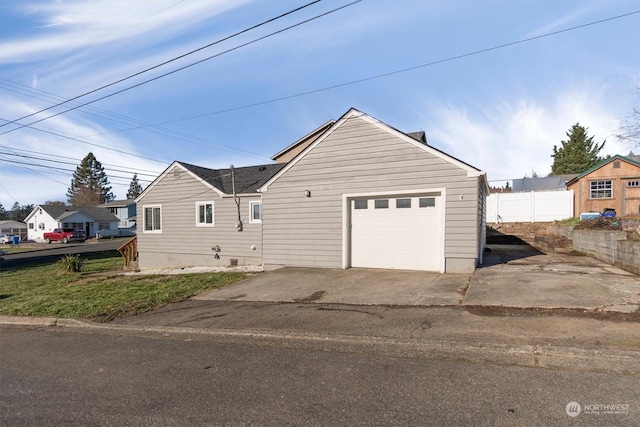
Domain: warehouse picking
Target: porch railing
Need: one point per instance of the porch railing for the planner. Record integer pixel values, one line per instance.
(129, 251)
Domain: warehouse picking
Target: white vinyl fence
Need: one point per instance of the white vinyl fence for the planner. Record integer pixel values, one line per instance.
(535, 206)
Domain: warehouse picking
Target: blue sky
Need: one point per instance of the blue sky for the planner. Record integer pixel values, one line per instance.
(502, 110)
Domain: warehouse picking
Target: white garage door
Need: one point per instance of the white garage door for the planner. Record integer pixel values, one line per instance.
(397, 232)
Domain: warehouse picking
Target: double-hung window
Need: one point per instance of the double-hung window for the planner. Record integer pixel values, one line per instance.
(204, 214)
(602, 189)
(152, 219)
(255, 212)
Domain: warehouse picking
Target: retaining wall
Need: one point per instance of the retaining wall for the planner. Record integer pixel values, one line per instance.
(611, 247)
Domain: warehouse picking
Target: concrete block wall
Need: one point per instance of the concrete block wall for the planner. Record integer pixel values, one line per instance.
(611, 247)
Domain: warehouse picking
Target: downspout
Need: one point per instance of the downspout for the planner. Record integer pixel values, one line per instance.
(236, 199)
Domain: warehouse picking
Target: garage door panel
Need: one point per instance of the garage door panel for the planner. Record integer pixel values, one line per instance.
(397, 237)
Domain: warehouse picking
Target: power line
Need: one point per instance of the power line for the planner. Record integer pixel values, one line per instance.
(391, 73)
(15, 162)
(72, 164)
(162, 64)
(95, 145)
(109, 115)
(76, 161)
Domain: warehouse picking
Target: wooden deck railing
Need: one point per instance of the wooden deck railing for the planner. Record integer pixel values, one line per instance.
(129, 251)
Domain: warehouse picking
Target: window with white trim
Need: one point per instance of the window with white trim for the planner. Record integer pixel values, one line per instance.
(204, 214)
(152, 219)
(255, 212)
(633, 183)
(602, 189)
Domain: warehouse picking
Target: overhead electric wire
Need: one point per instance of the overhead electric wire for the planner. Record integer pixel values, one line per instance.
(109, 115)
(74, 163)
(96, 145)
(15, 162)
(391, 73)
(77, 161)
(163, 63)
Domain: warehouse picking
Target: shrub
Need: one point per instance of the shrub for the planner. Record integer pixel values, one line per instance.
(70, 263)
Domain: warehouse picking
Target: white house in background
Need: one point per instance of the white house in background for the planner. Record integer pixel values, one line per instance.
(46, 218)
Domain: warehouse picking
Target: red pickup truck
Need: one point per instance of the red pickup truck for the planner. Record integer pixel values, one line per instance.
(64, 235)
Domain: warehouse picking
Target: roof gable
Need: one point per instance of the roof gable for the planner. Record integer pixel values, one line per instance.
(58, 213)
(408, 138)
(603, 163)
(302, 143)
(247, 179)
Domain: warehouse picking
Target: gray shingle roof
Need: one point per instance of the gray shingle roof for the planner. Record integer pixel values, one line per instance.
(248, 179)
(555, 182)
(97, 213)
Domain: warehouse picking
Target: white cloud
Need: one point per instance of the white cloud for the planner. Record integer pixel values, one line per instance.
(511, 139)
(69, 26)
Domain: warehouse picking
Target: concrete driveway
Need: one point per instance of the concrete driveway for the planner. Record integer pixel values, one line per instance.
(352, 286)
(513, 276)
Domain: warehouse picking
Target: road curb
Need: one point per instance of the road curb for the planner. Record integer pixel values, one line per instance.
(538, 356)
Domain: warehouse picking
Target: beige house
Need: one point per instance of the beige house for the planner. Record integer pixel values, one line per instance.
(353, 193)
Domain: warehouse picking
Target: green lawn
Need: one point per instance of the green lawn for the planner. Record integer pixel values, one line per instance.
(99, 292)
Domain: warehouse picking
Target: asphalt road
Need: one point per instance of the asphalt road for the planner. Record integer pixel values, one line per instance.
(55, 251)
(67, 376)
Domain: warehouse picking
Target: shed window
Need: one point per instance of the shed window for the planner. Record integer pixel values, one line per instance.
(204, 214)
(152, 219)
(601, 189)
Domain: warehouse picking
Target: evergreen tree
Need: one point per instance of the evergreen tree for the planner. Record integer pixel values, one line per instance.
(135, 189)
(90, 185)
(577, 154)
(18, 213)
(3, 213)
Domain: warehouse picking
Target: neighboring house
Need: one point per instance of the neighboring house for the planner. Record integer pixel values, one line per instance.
(46, 218)
(358, 194)
(613, 183)
(125, 210)
(11, 228)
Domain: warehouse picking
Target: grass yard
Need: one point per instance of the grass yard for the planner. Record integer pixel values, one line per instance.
(100, 292)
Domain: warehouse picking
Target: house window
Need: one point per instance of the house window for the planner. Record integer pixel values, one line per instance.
(633, 183)
(255, 213)
(31, 226)
(152, 219)
(601, 189)
(204, 214)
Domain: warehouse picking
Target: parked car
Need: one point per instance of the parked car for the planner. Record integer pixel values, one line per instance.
(64, 235)
(6, 238)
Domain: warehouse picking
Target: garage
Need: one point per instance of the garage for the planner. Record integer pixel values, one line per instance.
(400, 232)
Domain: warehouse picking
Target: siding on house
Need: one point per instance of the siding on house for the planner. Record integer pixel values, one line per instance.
(180, 243)
(358, 157)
